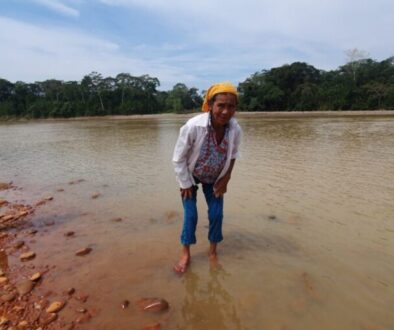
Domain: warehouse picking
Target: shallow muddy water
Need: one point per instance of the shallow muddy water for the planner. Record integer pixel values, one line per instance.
(308, 228)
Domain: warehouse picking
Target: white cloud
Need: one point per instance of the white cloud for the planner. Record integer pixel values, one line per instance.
(59, 7)
(327, 24)
(206, 40)
(33, 53)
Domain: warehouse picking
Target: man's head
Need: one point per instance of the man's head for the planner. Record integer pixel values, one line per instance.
(221, 100)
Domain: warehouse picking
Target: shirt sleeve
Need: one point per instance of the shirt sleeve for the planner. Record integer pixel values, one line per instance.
(182, 150)
(237, 141)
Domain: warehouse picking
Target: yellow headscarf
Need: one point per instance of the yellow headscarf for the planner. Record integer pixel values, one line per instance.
(223, 87)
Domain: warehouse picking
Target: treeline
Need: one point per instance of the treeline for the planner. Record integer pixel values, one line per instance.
(94, 96)
(358, 85)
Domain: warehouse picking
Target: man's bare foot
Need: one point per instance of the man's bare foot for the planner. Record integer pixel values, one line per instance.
(184, 262)
(181, 266)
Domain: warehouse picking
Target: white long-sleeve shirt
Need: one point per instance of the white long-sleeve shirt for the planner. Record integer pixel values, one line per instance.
(189, 143)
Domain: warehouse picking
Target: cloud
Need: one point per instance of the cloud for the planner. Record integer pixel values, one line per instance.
(195, 42)
(59, 7)
(327, 24)
(32, 53)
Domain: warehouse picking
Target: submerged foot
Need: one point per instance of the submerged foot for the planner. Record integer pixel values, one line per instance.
(181, 266)
(214, 261)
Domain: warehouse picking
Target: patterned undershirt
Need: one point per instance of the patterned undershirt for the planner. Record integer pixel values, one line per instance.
(212, 157)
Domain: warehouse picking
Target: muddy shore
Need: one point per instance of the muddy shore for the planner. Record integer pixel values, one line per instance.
(25, 302)
(30, 298)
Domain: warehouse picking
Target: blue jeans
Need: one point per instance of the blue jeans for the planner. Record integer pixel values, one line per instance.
(190, 216)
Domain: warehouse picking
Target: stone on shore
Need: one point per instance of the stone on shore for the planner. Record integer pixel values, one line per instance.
(83, 252)
(24, 287)
(49, 318)
(55, 307)
(96, 195)
(35, 277)
(5, 186)
(27, 256)
(8, 297)
(153, 304)
(3, 280)
(69, 234)
(19, 244)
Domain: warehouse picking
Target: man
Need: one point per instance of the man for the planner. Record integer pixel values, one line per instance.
(205, 153)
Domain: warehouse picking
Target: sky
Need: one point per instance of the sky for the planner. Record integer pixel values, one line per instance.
(195, 42)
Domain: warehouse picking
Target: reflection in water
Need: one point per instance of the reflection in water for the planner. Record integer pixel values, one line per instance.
(207, 304)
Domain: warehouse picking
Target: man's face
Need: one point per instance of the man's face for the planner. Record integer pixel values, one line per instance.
(223, 108)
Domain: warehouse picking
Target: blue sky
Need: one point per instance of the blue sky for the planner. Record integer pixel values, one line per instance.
(194, 42)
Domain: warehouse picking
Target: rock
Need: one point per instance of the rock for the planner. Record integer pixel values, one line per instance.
(96, 195)
(70, 291)
(1, 272)
(83, 252)
(153, 304)
(3, 202)
(81, 310)
(5, 186)
(22, 214)
(49, 198)
(27, 256)
(49, 318)
(8, 297)
(32, 232)
(116, 219)
(153, 326)
(3, 321)
(272, 217)
(24, 287)
(7, 217)
(19, 244)
(35, 277)
(3, 280)
(3, 235)
(69, 233)
(55, 307)
(125, 304)
(23, 325)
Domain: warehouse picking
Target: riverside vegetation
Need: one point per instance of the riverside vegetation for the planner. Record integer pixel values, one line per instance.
(360, 84)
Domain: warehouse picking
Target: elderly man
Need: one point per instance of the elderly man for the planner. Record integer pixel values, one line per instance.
(205, 154)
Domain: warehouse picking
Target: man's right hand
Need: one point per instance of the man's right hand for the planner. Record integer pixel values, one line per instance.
(187, 193)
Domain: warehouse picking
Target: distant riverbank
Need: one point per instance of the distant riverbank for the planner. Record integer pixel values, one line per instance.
(241, 114)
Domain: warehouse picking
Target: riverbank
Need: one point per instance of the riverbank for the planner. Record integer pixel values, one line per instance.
(25, 299)
(241, 114)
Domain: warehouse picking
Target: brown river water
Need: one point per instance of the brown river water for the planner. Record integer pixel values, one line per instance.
(308, 227)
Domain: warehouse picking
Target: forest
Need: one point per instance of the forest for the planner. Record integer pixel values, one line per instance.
(360, 84)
